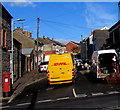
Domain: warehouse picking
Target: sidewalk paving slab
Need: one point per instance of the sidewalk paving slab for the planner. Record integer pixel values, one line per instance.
(21, 83)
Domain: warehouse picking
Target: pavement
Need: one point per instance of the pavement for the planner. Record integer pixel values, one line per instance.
(18, 86)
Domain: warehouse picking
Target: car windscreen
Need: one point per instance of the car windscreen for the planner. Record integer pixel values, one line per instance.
(44, 63)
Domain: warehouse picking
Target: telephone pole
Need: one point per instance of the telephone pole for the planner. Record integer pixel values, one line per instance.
(81, 37)
(38, 21)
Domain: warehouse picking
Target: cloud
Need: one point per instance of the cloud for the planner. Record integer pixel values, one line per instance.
(62, 0)
(22, 3)
(97, 15)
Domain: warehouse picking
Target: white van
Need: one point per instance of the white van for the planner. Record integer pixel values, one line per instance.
(104, 62)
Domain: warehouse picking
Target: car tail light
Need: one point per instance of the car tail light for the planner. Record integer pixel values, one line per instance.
(48, 74)
(73, 73)
(41, 67)
(98, 70)
(44, 66)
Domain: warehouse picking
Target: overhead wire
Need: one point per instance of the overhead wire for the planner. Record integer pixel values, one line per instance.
(48, 22)
(59, 30)
(76, 26)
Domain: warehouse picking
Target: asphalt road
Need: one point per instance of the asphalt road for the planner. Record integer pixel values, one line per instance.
(84, 93)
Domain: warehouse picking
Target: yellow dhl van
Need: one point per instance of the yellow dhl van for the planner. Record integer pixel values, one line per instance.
(61, 69)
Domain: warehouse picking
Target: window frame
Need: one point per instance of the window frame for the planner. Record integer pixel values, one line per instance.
(4, 36)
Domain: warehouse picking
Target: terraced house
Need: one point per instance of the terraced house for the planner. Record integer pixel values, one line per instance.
(5, 42)
(29, 50)
(50, 46)
(5, 39)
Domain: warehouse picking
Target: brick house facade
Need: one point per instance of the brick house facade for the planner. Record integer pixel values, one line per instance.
(73, 47)
(5, 42)
(5, 39)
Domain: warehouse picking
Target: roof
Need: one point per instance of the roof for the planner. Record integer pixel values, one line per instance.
(24, 40)
(44, 41)
(56, 42)
(75, 43)
(85, 39)
(78, 44)
(115, 25)
(49, 41)
(3, 8)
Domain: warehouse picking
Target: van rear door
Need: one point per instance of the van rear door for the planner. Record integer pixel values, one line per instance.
(60, 67)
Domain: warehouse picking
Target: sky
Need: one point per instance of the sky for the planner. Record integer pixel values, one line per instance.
(63, 21)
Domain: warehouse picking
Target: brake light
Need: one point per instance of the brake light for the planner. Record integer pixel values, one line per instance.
(41, 67)
(48, 75)
(98, 70)
(73, 73)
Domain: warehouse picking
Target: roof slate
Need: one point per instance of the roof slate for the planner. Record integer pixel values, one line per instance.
(24, 40)
(44, 41)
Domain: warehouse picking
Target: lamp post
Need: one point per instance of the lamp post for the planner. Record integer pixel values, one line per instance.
(11, 56)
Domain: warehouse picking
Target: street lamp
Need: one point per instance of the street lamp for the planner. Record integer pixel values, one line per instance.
(11, 56)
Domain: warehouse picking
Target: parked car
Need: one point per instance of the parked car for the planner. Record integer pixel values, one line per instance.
(86, 64)
(79, 64)
(43, 66)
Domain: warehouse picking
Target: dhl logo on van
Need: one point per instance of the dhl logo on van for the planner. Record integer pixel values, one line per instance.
(61, 63)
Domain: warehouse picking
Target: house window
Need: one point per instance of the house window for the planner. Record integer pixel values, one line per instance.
(4, 39)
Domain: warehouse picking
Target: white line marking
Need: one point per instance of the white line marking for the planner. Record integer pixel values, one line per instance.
(49, 88)
(4, 107)
(23, 104)
(63, 98)
(75, 95)
(41, 101)
(113, 92)
(97, 94)
(82, 95)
